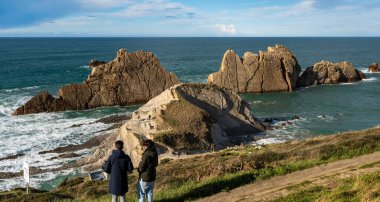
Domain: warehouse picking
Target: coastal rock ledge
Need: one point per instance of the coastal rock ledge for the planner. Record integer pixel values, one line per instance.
(187, 118)
(130, 78)
(326, 72)
(273, 71)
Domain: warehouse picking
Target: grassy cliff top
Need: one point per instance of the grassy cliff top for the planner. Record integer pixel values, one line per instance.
(204, 175)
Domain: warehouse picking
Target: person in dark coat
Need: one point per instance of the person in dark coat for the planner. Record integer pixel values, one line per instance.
(147, 171)
(118, 165)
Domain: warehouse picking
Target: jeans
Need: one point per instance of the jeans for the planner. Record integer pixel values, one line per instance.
(145, 189)
(122, 198)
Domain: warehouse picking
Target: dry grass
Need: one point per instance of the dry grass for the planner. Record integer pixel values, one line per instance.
(190, 127)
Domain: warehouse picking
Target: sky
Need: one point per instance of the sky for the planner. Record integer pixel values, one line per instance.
(181, 18)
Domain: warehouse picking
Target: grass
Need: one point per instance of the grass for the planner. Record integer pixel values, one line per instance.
(188, 127)
(208, 174)
(370, 165)
(362, 188)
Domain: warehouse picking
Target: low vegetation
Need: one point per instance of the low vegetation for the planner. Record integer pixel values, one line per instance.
(204, 175)
(362, 188)
(189, 127)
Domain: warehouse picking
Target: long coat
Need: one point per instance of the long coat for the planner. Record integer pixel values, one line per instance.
(118, 165)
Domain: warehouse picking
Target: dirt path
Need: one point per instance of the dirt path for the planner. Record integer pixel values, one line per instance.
(276, 186)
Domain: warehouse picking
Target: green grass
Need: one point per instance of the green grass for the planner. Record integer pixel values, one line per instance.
(370, 165)
(311, 194)
(205, 175)
(362, 188)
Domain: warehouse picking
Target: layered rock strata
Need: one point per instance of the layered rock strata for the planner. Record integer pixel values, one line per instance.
(273, 71)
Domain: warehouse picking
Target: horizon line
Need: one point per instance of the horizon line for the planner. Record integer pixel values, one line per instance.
(189, 36)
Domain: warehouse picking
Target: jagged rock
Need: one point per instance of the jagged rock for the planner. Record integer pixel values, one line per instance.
(325, 72)
(130, 78)
(374, 67)
(113, 119)
(272, 71)
(187, 118)
(95, 63)
(65, 155)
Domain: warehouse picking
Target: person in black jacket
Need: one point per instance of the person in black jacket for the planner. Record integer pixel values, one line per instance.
(147, 171)
(118, 165)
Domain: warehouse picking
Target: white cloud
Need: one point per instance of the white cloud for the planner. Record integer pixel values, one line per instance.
(102, 4)
(174, 18)
(226, 29)
(154, 8)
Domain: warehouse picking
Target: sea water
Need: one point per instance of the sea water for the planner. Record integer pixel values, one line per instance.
(31, 65)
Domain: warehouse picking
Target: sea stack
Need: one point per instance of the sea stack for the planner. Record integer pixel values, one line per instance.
(374, 67)
(187, 118)
(326, 72)
(276, 70)
(130, 78)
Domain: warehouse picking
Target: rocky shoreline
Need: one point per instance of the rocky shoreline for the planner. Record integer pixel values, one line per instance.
(69, 151)
(181, 118)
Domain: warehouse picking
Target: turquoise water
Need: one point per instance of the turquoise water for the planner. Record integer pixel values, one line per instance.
(30, 65)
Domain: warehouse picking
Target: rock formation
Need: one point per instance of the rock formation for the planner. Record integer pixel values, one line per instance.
(130, 78)
(187, 118)
(95, 63)
(374, 67)
(272, 71)
(325, 72)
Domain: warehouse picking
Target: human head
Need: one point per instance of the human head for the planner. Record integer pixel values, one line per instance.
(119, 145)
(147, 143)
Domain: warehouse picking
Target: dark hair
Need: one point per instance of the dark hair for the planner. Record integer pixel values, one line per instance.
(119, 144)
(148, 143)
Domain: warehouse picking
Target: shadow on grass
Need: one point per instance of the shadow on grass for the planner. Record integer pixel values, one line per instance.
(211, 187)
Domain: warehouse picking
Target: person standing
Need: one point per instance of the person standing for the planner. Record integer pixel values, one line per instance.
(118, 165)
(147, 171)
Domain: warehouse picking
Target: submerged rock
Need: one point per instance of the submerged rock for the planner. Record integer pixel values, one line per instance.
(93, 142)
(272, 71)
(187, 118)
(114, 119)
(95, 63)
(12, 157)
(65, 155)
(374, 67)
(325, 72)
(130, 78)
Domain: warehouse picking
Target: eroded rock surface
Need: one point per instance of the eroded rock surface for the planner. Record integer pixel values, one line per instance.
(272, 71)
(325, 72)
(187, 118)
(130, 78)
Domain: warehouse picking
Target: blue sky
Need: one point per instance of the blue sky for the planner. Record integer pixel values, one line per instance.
(190, 18)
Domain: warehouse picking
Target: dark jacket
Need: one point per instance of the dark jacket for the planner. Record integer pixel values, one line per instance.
(148, 164)
(118, 165)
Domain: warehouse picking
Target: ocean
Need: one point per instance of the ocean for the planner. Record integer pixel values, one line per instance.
(31, 65)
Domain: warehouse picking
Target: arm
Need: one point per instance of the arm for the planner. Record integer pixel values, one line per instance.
(107, 166)
(143, 166)
(129, 165)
